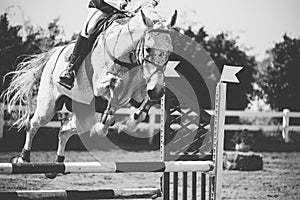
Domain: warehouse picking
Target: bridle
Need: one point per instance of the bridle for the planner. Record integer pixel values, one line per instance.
(141, 46)
(137, 56)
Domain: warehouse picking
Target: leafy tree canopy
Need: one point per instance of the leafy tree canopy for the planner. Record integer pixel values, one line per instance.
(224, 51)
(278, 76)
(14, 48)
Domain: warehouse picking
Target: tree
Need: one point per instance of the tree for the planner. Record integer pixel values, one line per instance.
(14, 48)
(10, 46)
(278, 76)
(195, 65)
(40, 40)
(51, 37)
(223, 51)
(226, 51)
(201, 36)
(189, 32)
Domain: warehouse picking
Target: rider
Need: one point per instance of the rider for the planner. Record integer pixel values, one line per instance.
(98, 9)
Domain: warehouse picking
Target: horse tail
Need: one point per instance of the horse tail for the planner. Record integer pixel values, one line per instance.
(20, 95)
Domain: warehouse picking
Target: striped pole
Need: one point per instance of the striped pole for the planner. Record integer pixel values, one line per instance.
(106, 167)
(151, 193)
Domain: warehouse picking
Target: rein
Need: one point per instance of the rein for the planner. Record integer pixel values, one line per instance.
(129, 66)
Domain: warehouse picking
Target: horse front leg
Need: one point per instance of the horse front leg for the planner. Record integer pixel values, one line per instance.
(135, 118)
(107, 118)
(103, 123)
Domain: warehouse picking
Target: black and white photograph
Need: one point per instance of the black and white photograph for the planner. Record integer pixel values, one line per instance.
(149, 99)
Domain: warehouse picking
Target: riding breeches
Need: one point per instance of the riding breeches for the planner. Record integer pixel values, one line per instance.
(94, 16)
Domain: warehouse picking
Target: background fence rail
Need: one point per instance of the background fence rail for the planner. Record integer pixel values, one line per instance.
(154, 123)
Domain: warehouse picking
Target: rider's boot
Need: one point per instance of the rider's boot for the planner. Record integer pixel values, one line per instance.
(67, 78)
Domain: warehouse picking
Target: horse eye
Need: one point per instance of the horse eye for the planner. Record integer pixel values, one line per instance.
(148, 50)
(162, 54)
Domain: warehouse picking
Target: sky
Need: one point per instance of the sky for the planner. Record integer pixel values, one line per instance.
(257, 23)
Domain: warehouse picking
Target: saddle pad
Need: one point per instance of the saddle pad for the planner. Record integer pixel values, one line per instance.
(82, 91)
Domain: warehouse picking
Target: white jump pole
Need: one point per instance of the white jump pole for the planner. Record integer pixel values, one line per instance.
(228, 76)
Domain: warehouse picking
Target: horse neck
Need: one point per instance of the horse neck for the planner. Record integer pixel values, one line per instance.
(137, 28)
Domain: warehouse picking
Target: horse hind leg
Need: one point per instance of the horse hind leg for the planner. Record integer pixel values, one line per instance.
(68, 129)
(24, 156)
(40, 117)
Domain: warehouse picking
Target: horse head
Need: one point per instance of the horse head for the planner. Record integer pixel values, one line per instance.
(142, 43)
(153, 53)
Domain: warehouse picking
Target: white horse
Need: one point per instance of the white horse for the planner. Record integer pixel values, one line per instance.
(127, 62)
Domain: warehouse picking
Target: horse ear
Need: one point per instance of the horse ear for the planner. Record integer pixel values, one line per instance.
(147, 21)
(173, 20)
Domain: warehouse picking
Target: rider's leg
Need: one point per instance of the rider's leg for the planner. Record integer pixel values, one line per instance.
(80, 50)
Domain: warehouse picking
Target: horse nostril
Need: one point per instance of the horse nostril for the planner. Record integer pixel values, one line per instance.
(156, 93)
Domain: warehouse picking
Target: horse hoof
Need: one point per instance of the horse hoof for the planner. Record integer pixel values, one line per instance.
(131, 126)
(58, 159)
(16, 160)
(99, 129)
(51, 175)
(23, 157)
